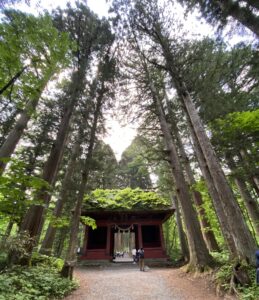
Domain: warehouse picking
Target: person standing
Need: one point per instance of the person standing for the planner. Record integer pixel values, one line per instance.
(141, 259)
(134, 255)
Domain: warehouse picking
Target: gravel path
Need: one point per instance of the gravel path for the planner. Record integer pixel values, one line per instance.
(128, 283)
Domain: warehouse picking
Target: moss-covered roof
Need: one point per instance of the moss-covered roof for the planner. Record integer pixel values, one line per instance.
(125, 200)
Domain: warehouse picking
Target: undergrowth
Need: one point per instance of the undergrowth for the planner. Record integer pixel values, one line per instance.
(41, 281)
(224, 273)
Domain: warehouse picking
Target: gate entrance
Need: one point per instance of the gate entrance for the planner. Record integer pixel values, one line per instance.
(124, 242)
(119, 232)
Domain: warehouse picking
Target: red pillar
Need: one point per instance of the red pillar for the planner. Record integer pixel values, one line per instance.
(140, 242)
(85, 241)
(108, 243)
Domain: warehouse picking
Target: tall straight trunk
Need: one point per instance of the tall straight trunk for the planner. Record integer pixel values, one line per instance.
(181, 233)
(242, 14)
(47, 243)
(199, 255)
(220, 213)
(250, 203)
(33, 220)
(245, 244)
(16, 133)
(207, 232)
(70, 260)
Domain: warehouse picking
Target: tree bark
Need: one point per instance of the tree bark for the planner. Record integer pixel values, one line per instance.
(70, 260)
(15, 134)
(199, 255)
(245, 244)
(207, 232)
(33, 219)
(222, 218)
(48, 240)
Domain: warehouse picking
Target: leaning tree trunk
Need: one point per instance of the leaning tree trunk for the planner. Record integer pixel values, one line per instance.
(222, 218)
(199, 255)
(68, 268)
(47, 243)
(16, 133)
(245, 244)
(33, 219)
(207, 231)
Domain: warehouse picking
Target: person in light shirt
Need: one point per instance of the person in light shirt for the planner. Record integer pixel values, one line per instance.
(134, 255)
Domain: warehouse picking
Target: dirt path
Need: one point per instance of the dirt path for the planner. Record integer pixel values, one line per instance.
(128, 283)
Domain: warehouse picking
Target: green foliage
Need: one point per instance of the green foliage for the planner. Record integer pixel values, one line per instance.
(19, 244)
(209, 209)
(59, 222)
(104, 168)
(125, 199)
(235, 128)
(249, 293)
(39, 282)
(171, 238)
(17, 190)
(45, 260)
(133, 166)
(88, 221)
(32, 47)
(225, 272)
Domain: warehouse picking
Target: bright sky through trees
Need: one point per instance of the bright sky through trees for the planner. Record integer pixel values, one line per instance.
(119, 136)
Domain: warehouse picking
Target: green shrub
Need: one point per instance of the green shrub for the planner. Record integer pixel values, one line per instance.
(37, 282)
(224, 274)
(3, 260)
(45, 260)
(250, 293)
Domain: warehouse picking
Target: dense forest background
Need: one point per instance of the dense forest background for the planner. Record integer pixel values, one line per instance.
(195, 100)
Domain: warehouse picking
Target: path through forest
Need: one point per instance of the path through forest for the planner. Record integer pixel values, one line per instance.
(126, 282)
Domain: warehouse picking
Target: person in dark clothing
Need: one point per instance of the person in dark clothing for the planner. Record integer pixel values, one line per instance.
(257, 266)
(141, 259)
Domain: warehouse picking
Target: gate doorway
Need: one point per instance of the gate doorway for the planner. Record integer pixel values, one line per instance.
(124, 241)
